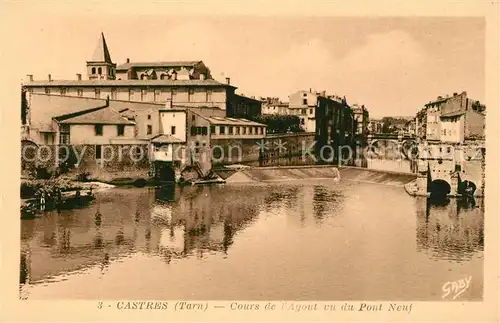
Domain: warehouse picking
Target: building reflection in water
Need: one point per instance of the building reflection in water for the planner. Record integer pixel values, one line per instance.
(172, 222)
(450, 229)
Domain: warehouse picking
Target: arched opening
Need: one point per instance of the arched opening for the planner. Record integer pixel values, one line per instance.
(99, 70)
(439, 187)
(466, 188)
(93, 70)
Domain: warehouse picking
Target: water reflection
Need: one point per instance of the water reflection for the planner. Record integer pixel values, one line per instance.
(449, 228)
(268, 230)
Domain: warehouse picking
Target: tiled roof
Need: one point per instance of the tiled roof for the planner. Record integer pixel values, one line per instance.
(139, 83)
(102, 115)
(166, 139)
(453, 114)
(233, 121)
(127, 66)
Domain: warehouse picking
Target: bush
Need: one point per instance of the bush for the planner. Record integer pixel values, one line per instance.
(83, 177)
(42, 173)
(30, 187)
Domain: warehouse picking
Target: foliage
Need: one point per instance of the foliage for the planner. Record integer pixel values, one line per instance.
(42, 173)
(280, 123)
(391, 124)
(83, 176)
(30, 187)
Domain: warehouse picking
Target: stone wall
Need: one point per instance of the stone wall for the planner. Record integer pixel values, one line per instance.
(120, 160)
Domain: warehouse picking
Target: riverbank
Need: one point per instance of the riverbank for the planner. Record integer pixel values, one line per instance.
(29, 187)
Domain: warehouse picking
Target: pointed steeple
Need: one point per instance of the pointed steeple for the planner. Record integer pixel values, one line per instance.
(101, 53)
(100, 66)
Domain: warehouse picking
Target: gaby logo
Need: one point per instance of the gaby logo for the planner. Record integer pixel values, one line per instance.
(456, 288)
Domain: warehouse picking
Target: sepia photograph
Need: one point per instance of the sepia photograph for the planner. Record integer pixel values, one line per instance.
(252, 157)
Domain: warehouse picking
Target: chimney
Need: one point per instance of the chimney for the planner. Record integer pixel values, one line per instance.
(310, 90)
(128, 60)
(323, 93)
(228, 80)
(29, 77)
(50, 78)
(79, 77)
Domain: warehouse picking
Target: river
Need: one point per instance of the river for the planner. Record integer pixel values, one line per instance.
(313, 240)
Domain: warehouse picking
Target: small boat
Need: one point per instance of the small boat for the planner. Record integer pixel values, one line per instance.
(33, 208)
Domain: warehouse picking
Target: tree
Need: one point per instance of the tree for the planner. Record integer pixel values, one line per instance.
(280, 123)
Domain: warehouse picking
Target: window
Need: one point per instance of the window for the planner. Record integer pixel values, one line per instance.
(131, 95)
(193, 131)
(198, 130)
(243, 130)
(93, 70)
(209, 96)
(150, 129)
(137, 153)
(113, 94)
(173, 95)
(193, 118)
(144, 94)
(98, 129)
(172, 130)
(62, 91)
(230, 130)
(120, 130)
(305, 94)
(204, 131)
(304, 111)
(311, 111)
(79, 92)
(157, 95)
(98, 151)
(99, 71)
(304, 101)
(97, 93)
(47, 90)
(190, 95)
(222, 130)
(212, 129)
(237, 130)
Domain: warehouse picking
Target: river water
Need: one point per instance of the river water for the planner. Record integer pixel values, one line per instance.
(308, 240)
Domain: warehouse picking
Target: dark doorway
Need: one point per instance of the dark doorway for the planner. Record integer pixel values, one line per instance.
(165, 172)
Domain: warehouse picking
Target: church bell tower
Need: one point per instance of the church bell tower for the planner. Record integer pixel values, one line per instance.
(100, 67)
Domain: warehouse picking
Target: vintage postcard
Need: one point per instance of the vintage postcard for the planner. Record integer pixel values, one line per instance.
(215, 161)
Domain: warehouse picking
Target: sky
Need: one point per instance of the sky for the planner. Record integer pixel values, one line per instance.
(391, 65)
